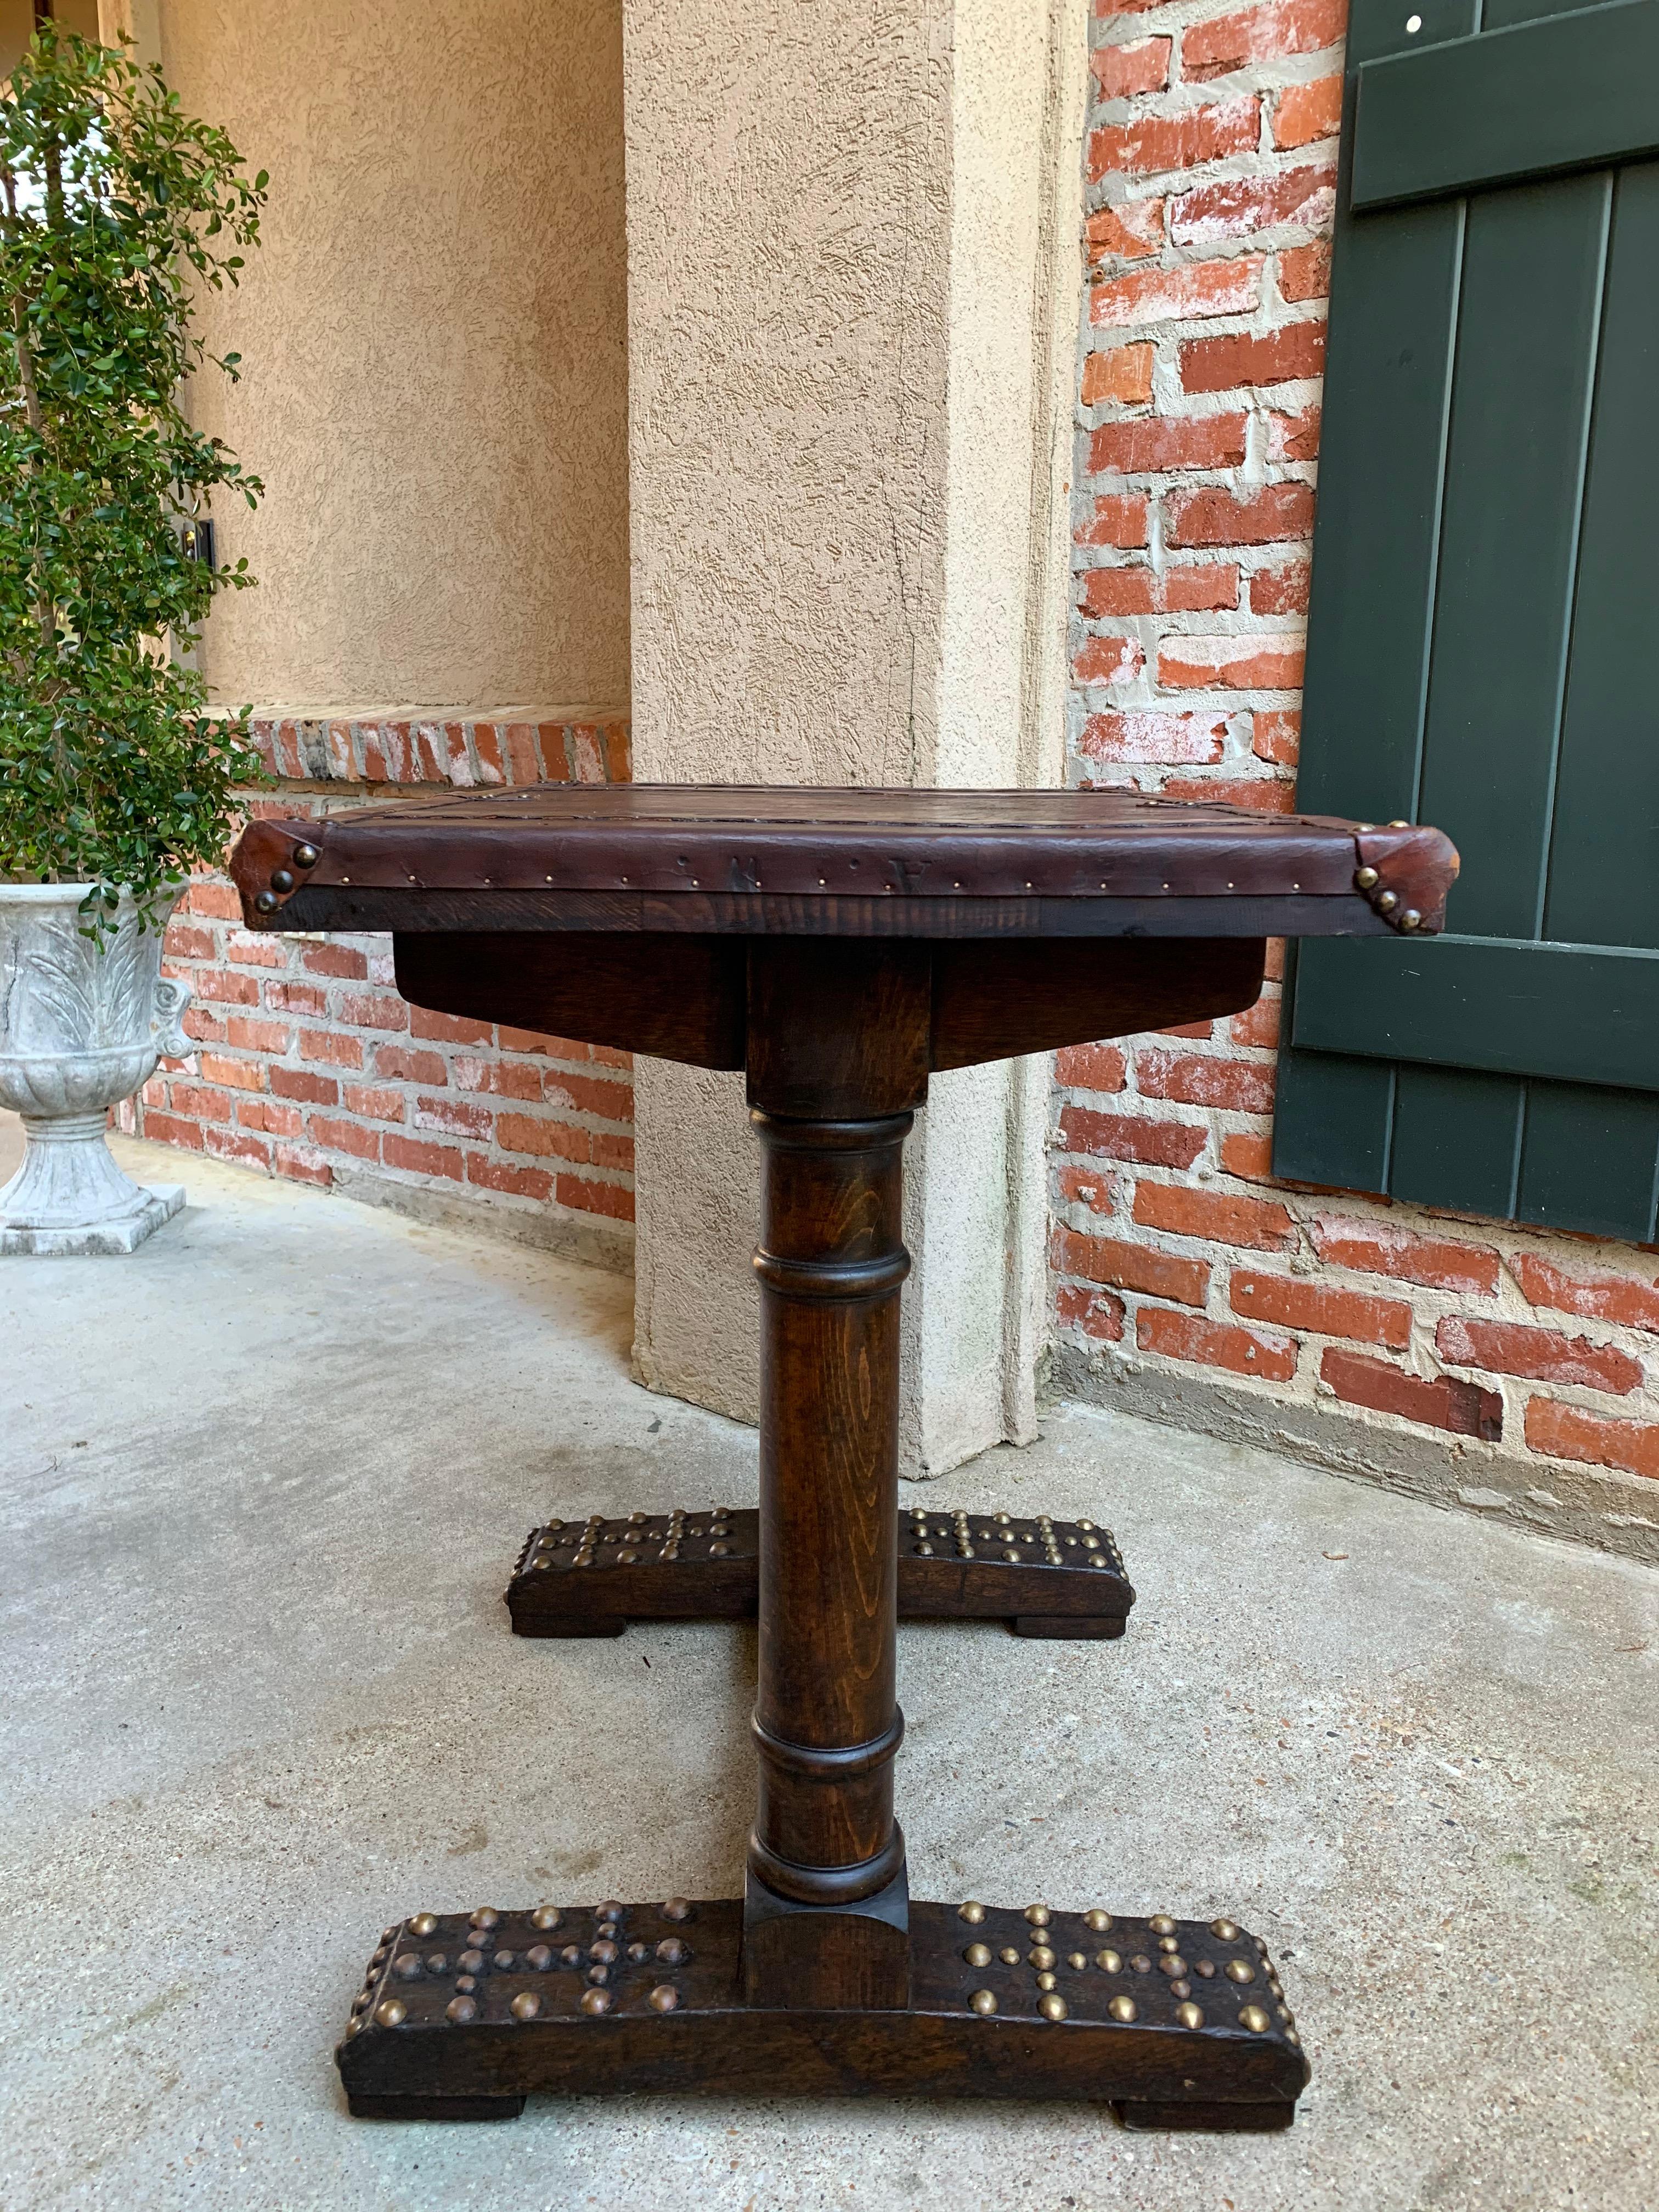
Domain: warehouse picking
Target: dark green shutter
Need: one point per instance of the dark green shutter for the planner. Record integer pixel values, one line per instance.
(1483, 647)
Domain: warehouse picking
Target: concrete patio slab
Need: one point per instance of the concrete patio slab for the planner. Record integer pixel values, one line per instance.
(262, 1481)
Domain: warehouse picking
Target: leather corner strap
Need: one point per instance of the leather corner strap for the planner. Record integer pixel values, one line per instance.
(1141, 848)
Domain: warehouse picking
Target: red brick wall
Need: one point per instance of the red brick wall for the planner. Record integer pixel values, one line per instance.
(311, 1065)
(1183, 1275)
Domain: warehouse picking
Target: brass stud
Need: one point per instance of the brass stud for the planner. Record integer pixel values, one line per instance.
(1189, 2015)
(672, 1951)
(571, 1956)
(304, 856)
(638, 1951)
(471, 1962)
(1400, 822)
(1225, 1931)
(540, 1957)
(1046, 1982)
(407, 1967)
(392, 2014)
(281, 879)
(1161, 1924)
(465, 1983)
(547, 1916)
(1411, 919)
(379, 1959)
(599, 1976)
(1042, 1956)
(1173, 1964)
(1182, 1988)
(1365, 879)
(669, 1551)
(978, 1955)
(676, 1908)
(424, 1924)
(1003, 1518)
(663, 1998)
(1078, 1959)
(609, 1911)
(1038, 1915)
(1206, 1967)
(1099, 1921)
(1387, 902)
(484, 1917)
(605, 1950)
(1255, 2018)
(1141, 1963)
(1109, 1962)
(460, 2010)
(1240, 1970)
(1008, 1956)
(360, 2000)
(264, 902)
(1052, 2006)
(596, 2000)
(1012, 1558)
(1290, 2036)
(973, 1912)
(583, 1559)
(1167, 1943)
(525, 2005)
(965, 1550)
(631, 1558)
(1123, 2009)
(720, 1551)
(982, 2001)
(504, 1962)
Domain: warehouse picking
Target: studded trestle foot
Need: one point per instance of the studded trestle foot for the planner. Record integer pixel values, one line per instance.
(1038, 1576)
(1178, 2023)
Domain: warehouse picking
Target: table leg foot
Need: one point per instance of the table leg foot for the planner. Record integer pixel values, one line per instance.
(371, 2107)
(1265, 2119)
(462, 2018)
(1040, 1577)
(1101, 1629)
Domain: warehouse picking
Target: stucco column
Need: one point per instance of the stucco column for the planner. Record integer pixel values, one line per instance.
(853, 280)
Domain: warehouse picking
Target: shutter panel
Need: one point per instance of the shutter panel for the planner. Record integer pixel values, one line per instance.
(1486, 604)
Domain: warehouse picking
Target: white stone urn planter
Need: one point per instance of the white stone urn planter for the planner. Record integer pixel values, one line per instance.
(82, 1027)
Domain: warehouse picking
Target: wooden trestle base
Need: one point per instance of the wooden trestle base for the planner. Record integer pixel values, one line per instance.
(1177, 2024)
(1039, 1577)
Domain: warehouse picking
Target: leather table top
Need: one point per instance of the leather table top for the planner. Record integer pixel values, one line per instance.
(826, 862)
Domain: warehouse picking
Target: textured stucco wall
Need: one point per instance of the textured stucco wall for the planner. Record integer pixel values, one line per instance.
(842, 227)
(434, 342)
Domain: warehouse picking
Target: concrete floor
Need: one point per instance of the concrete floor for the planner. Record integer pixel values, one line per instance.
(263, 1481)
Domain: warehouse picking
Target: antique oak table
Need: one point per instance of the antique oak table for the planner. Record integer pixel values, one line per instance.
(839, 946)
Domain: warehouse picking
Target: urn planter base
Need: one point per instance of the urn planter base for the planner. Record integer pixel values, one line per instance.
(84, 1021)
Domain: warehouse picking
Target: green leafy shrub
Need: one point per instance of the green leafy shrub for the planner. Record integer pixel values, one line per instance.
(115, 208)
